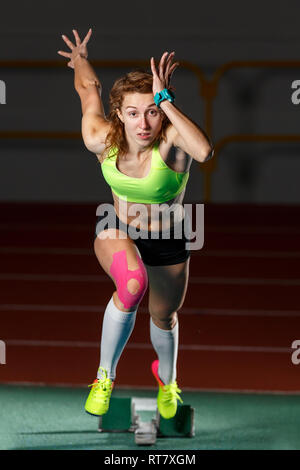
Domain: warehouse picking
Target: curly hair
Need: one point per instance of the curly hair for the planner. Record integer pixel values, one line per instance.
(137, 81)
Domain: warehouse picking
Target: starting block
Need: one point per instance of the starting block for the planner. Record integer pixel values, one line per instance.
(182, 425)
(120, 416)
(141, 417)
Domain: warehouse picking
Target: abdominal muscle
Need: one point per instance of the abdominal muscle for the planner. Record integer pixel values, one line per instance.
(147, 216)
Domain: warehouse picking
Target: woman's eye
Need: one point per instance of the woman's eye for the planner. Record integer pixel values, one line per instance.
(152, 112)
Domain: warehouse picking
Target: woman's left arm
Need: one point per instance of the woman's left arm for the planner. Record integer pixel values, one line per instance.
(184, 134)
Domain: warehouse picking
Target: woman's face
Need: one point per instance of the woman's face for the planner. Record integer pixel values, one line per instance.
(141, 117)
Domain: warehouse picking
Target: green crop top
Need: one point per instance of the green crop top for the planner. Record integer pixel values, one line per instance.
(160, 185)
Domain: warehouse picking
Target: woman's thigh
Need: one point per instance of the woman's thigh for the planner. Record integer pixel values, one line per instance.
(108, 251)
(167, 289)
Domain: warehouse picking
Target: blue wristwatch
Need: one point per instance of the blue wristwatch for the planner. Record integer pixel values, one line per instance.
(162, 96)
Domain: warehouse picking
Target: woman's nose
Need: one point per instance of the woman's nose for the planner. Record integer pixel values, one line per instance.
(144, 124)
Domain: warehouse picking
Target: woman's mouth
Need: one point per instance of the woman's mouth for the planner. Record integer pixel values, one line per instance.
(144, 135)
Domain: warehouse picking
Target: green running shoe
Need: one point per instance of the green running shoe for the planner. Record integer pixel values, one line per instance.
(97, 403)
(167, 395)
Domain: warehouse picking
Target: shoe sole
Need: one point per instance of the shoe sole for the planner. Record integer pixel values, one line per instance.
(93, 414)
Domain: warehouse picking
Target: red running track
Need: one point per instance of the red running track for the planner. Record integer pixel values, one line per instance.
(237, 325)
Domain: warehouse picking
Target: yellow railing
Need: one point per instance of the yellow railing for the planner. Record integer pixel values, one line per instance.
(209, 93)
(207, 89)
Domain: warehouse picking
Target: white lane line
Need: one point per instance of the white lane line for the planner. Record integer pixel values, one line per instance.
(52, 308)
(203, 252)
(99, 309)
(39, 250)
(231, 229)
(131, 387)
(46, 226)
(248, 254)
(53, 277)
(258, 230)
(192, 279)
(244, 281)
(184, 347)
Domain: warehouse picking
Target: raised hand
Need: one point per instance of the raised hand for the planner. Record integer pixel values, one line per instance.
(162, 75)
(79, 49)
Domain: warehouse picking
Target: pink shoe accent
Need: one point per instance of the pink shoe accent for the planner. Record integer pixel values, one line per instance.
(154, 368)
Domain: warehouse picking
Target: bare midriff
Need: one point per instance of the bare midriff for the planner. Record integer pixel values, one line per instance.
(150, 217)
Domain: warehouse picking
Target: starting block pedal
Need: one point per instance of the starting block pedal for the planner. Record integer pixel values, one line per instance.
(128, 415)
(146, 431)
(182, 425)
(121, 416)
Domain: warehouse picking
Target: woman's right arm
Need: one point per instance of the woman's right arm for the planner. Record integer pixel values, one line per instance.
(94, 123)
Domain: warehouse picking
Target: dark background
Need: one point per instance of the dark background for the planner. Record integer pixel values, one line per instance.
(249, 100)
(241, 312)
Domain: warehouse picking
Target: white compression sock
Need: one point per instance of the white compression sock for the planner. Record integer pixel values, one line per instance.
(116, 330)
(165, 343)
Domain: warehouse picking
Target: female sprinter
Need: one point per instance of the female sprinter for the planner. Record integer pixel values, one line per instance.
(133, 146)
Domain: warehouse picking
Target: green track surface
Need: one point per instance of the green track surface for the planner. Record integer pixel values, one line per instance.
(53, 418)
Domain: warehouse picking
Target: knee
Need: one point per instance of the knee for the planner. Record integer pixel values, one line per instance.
(131, 292)
(165, 320)
(131, 284)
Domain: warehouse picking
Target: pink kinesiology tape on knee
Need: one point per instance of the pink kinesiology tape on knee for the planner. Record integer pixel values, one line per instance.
(121, 273)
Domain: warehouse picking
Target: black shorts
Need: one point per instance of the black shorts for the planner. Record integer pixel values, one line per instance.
(158, 251)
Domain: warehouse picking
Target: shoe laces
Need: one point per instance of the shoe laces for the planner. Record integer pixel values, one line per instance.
(103, 384)
(171, 391)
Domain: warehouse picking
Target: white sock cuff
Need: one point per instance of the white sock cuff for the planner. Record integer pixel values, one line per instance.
(119, 315)
(164, 333)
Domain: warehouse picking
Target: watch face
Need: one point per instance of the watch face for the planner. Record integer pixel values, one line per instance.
(169, 96)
